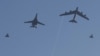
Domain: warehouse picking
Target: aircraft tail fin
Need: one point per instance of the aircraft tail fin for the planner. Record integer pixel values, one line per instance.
(73, 21)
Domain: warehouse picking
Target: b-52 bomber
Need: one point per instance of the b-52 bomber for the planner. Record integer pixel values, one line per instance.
(75, 12)
(34, 22)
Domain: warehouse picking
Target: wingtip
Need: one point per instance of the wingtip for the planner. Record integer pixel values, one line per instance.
(43, 24)
(87, 19)
(60, 15)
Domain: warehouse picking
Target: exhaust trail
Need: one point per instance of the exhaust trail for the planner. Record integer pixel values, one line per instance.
(57, 37)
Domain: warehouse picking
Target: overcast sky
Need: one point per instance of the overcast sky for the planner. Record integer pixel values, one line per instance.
(58, 37)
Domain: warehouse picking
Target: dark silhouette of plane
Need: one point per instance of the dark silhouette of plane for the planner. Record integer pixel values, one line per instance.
(91, 36)
(75, 12)
(34, 22)
(7, 35)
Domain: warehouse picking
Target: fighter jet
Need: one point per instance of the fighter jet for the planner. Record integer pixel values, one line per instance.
(75, 12)
(34, 22)
(91, 36)
(7, 35)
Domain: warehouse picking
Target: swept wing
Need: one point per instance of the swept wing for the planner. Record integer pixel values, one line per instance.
(40, 23)
(28, 22)
(80, 14)
(68, 13)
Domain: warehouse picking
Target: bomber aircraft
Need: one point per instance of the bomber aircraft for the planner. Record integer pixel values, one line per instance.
(34, 22)
(75, 12)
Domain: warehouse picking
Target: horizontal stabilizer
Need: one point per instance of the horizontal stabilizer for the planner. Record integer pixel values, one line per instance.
(73, 21)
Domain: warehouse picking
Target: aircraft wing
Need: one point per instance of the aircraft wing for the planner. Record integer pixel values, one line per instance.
(80, 14)
(41, 23)
(68, 13)
(28, 22)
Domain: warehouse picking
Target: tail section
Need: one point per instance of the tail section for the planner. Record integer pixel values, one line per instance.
(76, 8)
(36, 17)
(73, 21)
(33, 26)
